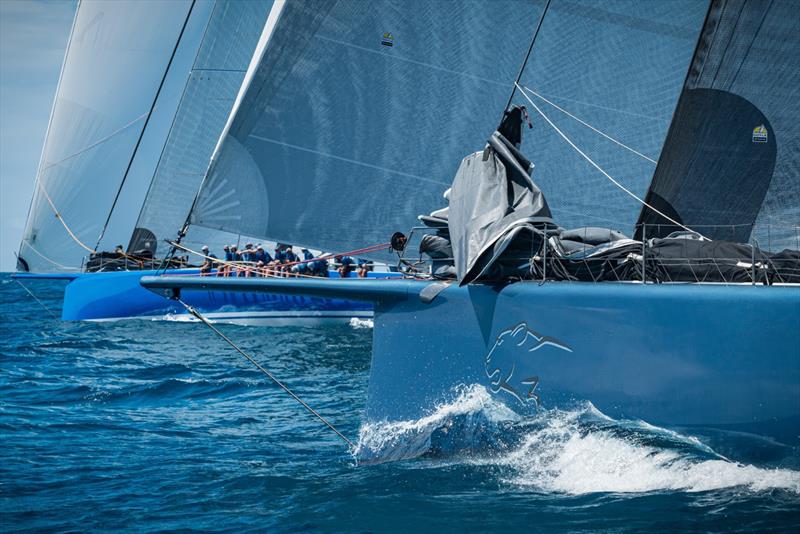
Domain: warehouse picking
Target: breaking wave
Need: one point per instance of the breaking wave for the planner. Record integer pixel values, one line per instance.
(571, 452)
(358, 324)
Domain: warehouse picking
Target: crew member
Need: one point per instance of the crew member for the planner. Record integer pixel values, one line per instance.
(208, 262)
(364, 266)
(320, 267)
(346, 266)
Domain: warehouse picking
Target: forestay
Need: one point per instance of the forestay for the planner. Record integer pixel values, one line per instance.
(115, 61)
(731, 160)
(358, 115)
(214, 81)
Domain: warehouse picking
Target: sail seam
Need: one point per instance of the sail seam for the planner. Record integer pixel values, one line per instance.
(411, 61)
(65, 267)
(96, 143)
(348, 160)
(604, 173)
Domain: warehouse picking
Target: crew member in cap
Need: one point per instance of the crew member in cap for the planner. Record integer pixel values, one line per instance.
(208, 262)
(225, 269)
(262, 259)
(248, 255)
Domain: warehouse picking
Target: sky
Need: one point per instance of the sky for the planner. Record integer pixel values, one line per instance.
(33, 38)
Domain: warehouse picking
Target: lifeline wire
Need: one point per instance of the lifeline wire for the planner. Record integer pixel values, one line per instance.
(280, 384)
(28, 291)
(596, 166)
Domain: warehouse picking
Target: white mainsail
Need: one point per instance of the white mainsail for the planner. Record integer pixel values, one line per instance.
(115, 61)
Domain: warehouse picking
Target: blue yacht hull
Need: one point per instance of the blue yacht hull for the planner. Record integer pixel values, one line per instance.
(119, 295)
(671, 354)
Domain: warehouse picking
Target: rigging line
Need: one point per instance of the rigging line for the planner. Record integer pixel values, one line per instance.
(146, 122)
(28, 291)
(564, 111)
(596, 166)
(175, 118)
(272, 377)
(62, 221)
(98, 142)
(527, 55)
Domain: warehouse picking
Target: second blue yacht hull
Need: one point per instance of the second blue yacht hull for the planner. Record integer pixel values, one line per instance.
(118, 295)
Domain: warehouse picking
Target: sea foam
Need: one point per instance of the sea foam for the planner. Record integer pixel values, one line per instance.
(571, 452)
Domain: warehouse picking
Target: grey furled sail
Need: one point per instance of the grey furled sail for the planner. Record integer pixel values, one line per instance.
(116, 59)
(214, 81)
(731, 165)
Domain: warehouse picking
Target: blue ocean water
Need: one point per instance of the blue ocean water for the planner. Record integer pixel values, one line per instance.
(151, 425)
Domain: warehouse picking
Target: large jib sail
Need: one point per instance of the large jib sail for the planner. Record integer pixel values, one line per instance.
(116, 58)
(214, 81)
(730, 167)
(357, 116)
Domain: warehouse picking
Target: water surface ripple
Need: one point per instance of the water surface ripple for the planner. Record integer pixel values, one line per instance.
(148, 425)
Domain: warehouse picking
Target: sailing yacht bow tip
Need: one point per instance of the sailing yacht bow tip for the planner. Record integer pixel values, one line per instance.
(369, 290)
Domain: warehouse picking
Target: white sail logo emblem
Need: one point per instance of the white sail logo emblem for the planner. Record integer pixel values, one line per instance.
(760, 134)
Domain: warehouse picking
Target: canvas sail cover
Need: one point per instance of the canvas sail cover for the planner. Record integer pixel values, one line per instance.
(358, 115)
(214, 81)
(731, 164)
(116, 58)
(494, 205)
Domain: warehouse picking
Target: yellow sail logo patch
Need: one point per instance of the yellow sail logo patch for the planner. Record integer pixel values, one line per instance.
(760, 134)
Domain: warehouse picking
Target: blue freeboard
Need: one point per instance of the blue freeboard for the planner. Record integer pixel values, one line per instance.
(119, 295)
(671, 354)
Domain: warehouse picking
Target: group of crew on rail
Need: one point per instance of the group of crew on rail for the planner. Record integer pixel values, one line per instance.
(257, 261)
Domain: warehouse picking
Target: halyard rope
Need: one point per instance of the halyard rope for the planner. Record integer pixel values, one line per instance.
(596, 166)
(272, 377)
(61, 219)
